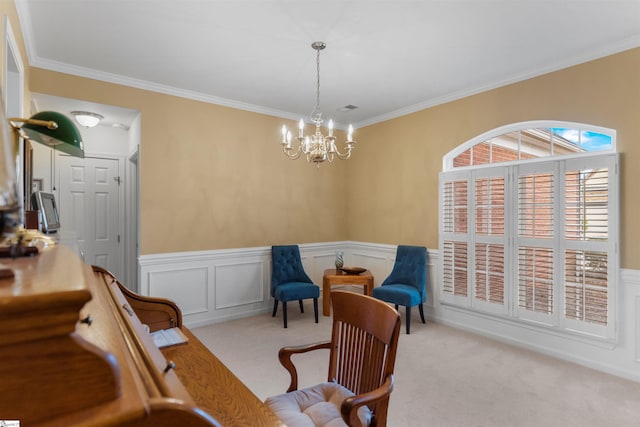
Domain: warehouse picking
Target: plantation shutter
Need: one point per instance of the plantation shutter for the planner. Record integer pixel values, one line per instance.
(535, 243)
(489, 240)
(590, 187)
(454, 239)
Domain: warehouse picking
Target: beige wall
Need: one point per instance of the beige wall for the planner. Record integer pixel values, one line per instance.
(214, 177)
(395, 172)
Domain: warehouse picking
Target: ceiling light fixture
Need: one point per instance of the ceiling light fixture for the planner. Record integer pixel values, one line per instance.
(316, 147)
(86, 118)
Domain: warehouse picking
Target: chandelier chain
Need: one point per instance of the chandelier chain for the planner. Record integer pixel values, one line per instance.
(318, 81)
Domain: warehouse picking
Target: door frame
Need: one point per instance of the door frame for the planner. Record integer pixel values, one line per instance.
(132, 226)
(13, 98)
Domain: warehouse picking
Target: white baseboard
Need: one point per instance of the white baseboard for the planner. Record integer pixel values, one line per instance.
(221, 285)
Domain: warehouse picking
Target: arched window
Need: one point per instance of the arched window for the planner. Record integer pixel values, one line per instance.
(531, 140)
(529, 226)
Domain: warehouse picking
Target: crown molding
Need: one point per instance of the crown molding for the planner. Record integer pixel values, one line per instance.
(627, 44)
(36, 61)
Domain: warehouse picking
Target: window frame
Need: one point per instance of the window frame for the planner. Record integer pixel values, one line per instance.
(447, 159)
(558, 165)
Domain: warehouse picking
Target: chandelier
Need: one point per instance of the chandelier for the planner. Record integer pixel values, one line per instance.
(316, 147)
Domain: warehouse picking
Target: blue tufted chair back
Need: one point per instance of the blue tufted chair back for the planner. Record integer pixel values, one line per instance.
(410, 268)
(286, 266)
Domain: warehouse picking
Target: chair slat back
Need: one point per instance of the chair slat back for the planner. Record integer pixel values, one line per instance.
(364, 343)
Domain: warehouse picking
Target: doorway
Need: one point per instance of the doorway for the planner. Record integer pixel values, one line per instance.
(112, 141)
(90, 207)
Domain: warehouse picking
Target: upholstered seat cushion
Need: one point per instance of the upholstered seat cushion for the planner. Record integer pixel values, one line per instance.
(400, 294)
(314, 406)
(296, 291)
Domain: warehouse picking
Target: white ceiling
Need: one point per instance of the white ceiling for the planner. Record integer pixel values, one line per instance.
(388, 58)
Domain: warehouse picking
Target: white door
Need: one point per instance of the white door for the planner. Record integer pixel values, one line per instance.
(88, 204)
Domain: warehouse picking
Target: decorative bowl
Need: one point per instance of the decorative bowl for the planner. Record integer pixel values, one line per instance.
(353, 270)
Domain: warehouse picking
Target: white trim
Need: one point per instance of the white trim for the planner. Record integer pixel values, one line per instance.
(37, 61)
(130, 269)
(199, 96)
(13, 98)
(157, 87)
(557, 243)
(602, 356)
(27, 29)
(11, 48)
(316, 257)
(621, 358)
(621, 46)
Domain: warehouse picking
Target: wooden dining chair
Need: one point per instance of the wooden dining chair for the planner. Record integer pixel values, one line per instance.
(362, 355)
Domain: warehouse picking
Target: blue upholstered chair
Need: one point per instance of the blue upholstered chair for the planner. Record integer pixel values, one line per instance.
(289, 282)
(407, 283)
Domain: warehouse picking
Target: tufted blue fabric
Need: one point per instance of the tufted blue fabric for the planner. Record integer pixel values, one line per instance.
(289, 282)
(407, 283)
(286, 266)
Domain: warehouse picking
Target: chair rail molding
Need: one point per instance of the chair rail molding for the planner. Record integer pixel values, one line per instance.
(226, 284)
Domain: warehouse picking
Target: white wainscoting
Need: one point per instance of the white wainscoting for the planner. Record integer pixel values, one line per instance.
(621, 358)
(630, 302)
(220, 285)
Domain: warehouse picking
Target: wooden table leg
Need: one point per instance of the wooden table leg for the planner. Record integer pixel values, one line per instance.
(368, 288)
(326, 297)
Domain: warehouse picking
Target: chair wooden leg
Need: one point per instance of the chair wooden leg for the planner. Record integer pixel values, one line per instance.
(315, 308)
(408, 318)
(301, 306)
(275, 308)
(421, 313)
(284, 313)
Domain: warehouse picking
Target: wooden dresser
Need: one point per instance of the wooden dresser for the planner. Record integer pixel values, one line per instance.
(75, 352)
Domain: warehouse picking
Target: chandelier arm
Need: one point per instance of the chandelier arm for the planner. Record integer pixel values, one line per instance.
(346, 155)
(295, 155)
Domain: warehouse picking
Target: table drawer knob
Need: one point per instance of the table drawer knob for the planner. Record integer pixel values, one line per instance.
(170, 366)
(87, 320)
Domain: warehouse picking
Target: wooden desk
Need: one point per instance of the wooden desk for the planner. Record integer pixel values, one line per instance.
(333, 277)
(214, 388)
(76, 352)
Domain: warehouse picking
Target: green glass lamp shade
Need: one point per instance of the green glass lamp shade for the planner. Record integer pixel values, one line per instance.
(66, 137)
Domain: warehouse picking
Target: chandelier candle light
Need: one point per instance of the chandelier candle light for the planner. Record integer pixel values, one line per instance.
(317, 147)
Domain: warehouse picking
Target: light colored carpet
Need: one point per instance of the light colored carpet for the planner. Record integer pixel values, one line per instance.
(444, 376)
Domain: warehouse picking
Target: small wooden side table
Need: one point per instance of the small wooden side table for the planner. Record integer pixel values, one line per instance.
(333, 277)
